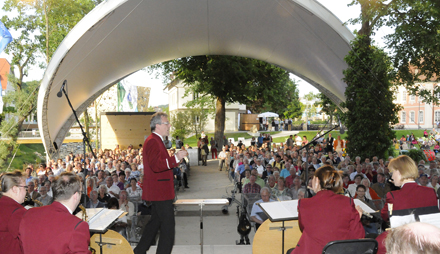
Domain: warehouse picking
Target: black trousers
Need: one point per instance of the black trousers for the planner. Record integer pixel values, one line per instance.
(162, 217)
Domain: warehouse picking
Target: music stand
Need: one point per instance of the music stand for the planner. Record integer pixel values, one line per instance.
(280, 212)
(100, 222)
(201, 203)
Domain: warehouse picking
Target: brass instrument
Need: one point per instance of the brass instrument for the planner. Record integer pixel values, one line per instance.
(84, 212)
(39, 203)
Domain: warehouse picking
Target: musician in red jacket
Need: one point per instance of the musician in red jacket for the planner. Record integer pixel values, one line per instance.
(411, 195)
(53, 228)
(13, 188)
(159, 186)
(314, 213)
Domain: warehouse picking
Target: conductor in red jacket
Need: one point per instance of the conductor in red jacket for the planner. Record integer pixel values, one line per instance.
(327, 216)
(411, 195)
(13, 188)
(159, 186)
(53, 228)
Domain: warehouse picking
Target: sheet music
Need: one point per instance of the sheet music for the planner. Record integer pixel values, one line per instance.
(364, 206)
(101, 220)
(433, 219)
(396, 221)
(91, 212)
(201, 201)
(283, 210)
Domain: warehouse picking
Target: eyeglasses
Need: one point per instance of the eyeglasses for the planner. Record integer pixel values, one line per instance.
(166, 123)
(24, 186)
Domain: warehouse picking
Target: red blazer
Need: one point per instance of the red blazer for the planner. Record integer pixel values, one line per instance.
(52, 229)
(158, 170)
(411, 195)
(326, 217)
(11, 213)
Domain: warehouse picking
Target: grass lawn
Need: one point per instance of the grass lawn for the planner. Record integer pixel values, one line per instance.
(417, 133)
(310, 135)
(26, 154)
(192, 141)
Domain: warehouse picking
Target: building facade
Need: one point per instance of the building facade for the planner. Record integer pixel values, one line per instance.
(415, 113)
(177, 100)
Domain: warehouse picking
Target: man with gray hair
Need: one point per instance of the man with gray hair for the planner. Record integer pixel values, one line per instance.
(158, 187)
(94, 202)
(44, 198)
(256, 210)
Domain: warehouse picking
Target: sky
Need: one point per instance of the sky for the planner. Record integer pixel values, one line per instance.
(157, 97)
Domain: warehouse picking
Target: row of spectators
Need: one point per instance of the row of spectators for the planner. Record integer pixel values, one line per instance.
(280, 171)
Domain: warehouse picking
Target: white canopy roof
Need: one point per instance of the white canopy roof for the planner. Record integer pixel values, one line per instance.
(268, 114)
(120, 37)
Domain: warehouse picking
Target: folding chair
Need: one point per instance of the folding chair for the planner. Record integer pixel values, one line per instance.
(356, 246)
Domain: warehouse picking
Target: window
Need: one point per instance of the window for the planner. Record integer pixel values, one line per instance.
(437, 116)
(403, 96)
(403, 119)
(412, 98)
(412, 116)
(420, 116)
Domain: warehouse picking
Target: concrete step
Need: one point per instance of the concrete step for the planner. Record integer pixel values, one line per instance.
(208, 249)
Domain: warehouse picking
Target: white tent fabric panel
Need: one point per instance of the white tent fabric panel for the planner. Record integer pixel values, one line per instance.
(119, 37)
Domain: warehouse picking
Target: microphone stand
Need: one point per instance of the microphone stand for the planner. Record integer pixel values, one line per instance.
(306, 194)
(85, 141)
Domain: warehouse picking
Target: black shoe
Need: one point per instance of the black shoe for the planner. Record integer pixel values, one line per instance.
(186, 187)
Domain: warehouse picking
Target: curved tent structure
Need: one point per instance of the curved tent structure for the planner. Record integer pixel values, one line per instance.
(120, 37)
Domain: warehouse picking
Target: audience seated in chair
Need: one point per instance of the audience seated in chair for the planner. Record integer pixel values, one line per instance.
(265, 197)
(94, 202)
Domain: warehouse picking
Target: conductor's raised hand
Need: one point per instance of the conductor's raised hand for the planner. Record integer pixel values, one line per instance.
(181, 154)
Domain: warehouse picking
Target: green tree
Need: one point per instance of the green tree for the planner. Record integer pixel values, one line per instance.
(414, 45)
(328, 106)
(22, 98)
(281, 100)
(226, 79)
(41, 25)
(370, 74)
(56, 18)
(369, 97)
(22, 101)
(181, 124)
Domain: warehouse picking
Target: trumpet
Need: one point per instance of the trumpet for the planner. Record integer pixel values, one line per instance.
(84, 213)
(39, 203)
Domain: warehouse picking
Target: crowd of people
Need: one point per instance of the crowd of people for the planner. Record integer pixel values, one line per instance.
(278, 172)
(113, 180)
(429, 141)
(272, 171)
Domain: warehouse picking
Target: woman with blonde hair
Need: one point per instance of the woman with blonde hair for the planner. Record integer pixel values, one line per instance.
(411, 195)
(404, 173)
(13, 192)
(327, 216)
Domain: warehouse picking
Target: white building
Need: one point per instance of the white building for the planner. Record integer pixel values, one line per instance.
(177, 99)
(416, 113)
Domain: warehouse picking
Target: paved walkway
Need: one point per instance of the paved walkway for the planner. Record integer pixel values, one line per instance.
(220, 230)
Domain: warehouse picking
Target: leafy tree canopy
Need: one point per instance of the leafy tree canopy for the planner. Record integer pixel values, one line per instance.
(228, 79)
(369, 100)
(415, 44)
